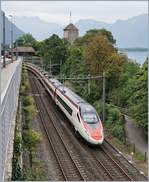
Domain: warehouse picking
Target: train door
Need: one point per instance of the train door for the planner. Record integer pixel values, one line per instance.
(76, 120)
(55, 96)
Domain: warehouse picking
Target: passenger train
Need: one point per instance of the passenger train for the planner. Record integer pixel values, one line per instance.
(81, 114)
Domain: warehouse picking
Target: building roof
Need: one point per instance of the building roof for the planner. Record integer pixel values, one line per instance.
(70, 27)
(24, 49)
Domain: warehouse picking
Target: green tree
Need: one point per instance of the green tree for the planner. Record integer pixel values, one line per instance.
(54, 50)
(83, 41)
(75, 64)
(104, 32)
(97, 54)
(26, 40)
(121, 93)
(138, 99)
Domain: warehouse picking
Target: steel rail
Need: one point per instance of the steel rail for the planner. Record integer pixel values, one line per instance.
(119, 167)
(109, 147)
(49, 138)
(61, 137)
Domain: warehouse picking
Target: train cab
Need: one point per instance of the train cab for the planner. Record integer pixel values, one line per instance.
(92, 124)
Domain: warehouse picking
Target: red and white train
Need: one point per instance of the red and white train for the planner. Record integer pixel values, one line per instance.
(81, 114)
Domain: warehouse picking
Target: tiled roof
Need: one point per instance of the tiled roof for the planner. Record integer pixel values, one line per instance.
(70, 27)
(24, 49)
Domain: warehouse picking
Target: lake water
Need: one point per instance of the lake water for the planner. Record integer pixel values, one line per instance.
(138, 56)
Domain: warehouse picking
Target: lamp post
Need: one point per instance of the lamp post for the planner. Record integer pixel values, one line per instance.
(11, 37)
(16, 49)
(4, 46)
(103, 97)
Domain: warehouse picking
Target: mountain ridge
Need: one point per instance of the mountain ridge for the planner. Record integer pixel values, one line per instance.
(128, 33)
(17, 32)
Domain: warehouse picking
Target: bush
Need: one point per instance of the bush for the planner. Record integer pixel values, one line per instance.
(16, 170)
(114, 123)
(17, 145)
(28, 100)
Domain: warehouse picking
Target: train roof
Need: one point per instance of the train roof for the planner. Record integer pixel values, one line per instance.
(85, 107)
(74, 97)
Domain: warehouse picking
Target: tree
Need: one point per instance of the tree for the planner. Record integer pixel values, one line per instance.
(26, 40)
(122, 91)
(104, 32)
(75, 64)
(138, 100)
(54, 50)
(83, 41)
(97, 53)
(94, 54)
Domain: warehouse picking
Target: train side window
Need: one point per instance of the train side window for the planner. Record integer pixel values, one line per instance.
(78, 117)
(68, 109)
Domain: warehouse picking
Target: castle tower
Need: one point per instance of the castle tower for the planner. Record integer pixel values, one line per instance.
(71, 32)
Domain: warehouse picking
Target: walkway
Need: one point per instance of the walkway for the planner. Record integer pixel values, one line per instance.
(135, 135)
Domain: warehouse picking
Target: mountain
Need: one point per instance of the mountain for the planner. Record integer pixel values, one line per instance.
(17, 32)
(84, 25)
(132, 32)
(38, 28)
(128, 33)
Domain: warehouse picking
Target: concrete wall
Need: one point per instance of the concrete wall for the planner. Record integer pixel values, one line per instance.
(9, 101)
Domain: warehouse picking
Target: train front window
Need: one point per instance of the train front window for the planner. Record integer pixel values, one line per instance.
(90, 117)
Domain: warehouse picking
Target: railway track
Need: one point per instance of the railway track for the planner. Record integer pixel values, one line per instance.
(76, 160)
(122, 161)
(69, 167)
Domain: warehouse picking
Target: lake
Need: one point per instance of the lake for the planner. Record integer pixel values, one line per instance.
(139, 56)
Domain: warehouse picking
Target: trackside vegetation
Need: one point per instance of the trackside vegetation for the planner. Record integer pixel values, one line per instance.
(25, 164)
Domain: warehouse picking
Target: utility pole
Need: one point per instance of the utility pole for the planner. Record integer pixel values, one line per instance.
(16, 49)
(89, 85)
(103, 98)
(4, 42)
(50, 67)
(60, 65)
(11, 37)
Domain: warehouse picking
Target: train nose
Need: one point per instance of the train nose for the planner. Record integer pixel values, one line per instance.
(96, 135)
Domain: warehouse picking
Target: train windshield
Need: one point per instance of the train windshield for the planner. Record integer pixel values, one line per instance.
(90, 117)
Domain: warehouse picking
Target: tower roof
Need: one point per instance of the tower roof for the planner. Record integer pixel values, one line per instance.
(70, 27)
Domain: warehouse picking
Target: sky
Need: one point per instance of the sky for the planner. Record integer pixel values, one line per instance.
(59, 11)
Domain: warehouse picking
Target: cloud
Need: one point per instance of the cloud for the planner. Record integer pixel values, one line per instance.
(58, 11)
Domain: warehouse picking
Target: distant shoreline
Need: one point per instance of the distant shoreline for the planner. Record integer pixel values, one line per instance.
(134, 49)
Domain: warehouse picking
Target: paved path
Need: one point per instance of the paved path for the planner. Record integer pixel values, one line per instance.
(6, 74)
(135, 135)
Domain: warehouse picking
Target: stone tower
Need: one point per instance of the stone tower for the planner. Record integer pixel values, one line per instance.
(71, 32)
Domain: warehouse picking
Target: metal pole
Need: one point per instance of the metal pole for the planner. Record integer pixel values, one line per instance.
(103, 101)
(89, 85)
(50, 67)
(4, 42)
(16, 49)
(60, 66)
(11, 37)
